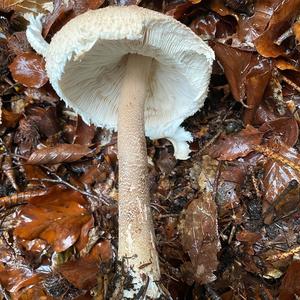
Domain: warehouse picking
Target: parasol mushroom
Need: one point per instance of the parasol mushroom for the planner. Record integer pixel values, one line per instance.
(139, 72)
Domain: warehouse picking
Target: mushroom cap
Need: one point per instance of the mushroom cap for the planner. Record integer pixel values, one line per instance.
(86, 61)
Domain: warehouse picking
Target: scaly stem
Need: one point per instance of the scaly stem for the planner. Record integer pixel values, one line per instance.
(136, 234)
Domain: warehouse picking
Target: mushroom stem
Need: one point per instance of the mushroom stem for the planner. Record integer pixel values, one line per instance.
(136, 234)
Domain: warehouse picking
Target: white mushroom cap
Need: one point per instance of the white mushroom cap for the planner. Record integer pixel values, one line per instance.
(86, 62)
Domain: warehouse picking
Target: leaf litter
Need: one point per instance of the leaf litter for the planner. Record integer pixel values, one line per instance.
(226, 220)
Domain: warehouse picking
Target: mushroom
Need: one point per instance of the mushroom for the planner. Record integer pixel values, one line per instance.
(140, 72)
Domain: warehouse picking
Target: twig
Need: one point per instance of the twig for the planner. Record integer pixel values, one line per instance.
(61, 181)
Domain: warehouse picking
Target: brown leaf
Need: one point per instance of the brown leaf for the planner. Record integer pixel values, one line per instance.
(10, 119)
(45, 119)
(18, 43)
(230, 147)
(280, 170)
(56, 218)
(64, 11)
(24, 6)
(84, 133)
(213, 26)
(88, 266)
(290, 285)
(58, 154)
(199, 237)
(14, 279)
(280, 21)
(247, 73)
(34, 292)
(28, 69)
(285, 130)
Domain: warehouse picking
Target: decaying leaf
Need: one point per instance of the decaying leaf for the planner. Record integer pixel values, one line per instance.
(199, 229)
(89, 266)
(28, 69)
(58, 154)
(57, 218)
(230, 147)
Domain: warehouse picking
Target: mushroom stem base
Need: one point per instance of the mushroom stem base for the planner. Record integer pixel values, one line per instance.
(137, 248)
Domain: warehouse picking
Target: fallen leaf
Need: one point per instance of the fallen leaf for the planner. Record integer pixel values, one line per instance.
(290, 285)
(285, 130)
(45, 119)
(84, 133)
(58, 154)
(13, 279)
(247, 73)
(28, 68)
(89, 266)
(281, 19)
(32, 293)
(230, 147)
(56, 217)
(199, 229)
(64, 11)
(24, 6)
(199, 237)
(18, 43)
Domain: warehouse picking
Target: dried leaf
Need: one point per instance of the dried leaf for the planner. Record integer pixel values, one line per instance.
(199, 236)
(230, 147)
(56, 217)
(58, 154)
(88, 266)
(29, 69)
(199, 229)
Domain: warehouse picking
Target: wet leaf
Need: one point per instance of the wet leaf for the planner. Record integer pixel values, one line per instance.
(14, 279)
(230, 147)
(281, 19)
(58, 154)
(290, 286)
(57, 218)
(35, 292)
(247, 73)
(89, 266)
(29, 69)
(285, 130)
(279, 171)
(24, 6)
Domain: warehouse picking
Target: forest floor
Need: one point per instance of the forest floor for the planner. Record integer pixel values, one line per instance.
(238, 193)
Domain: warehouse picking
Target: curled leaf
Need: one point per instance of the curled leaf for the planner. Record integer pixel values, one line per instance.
(58, 154)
